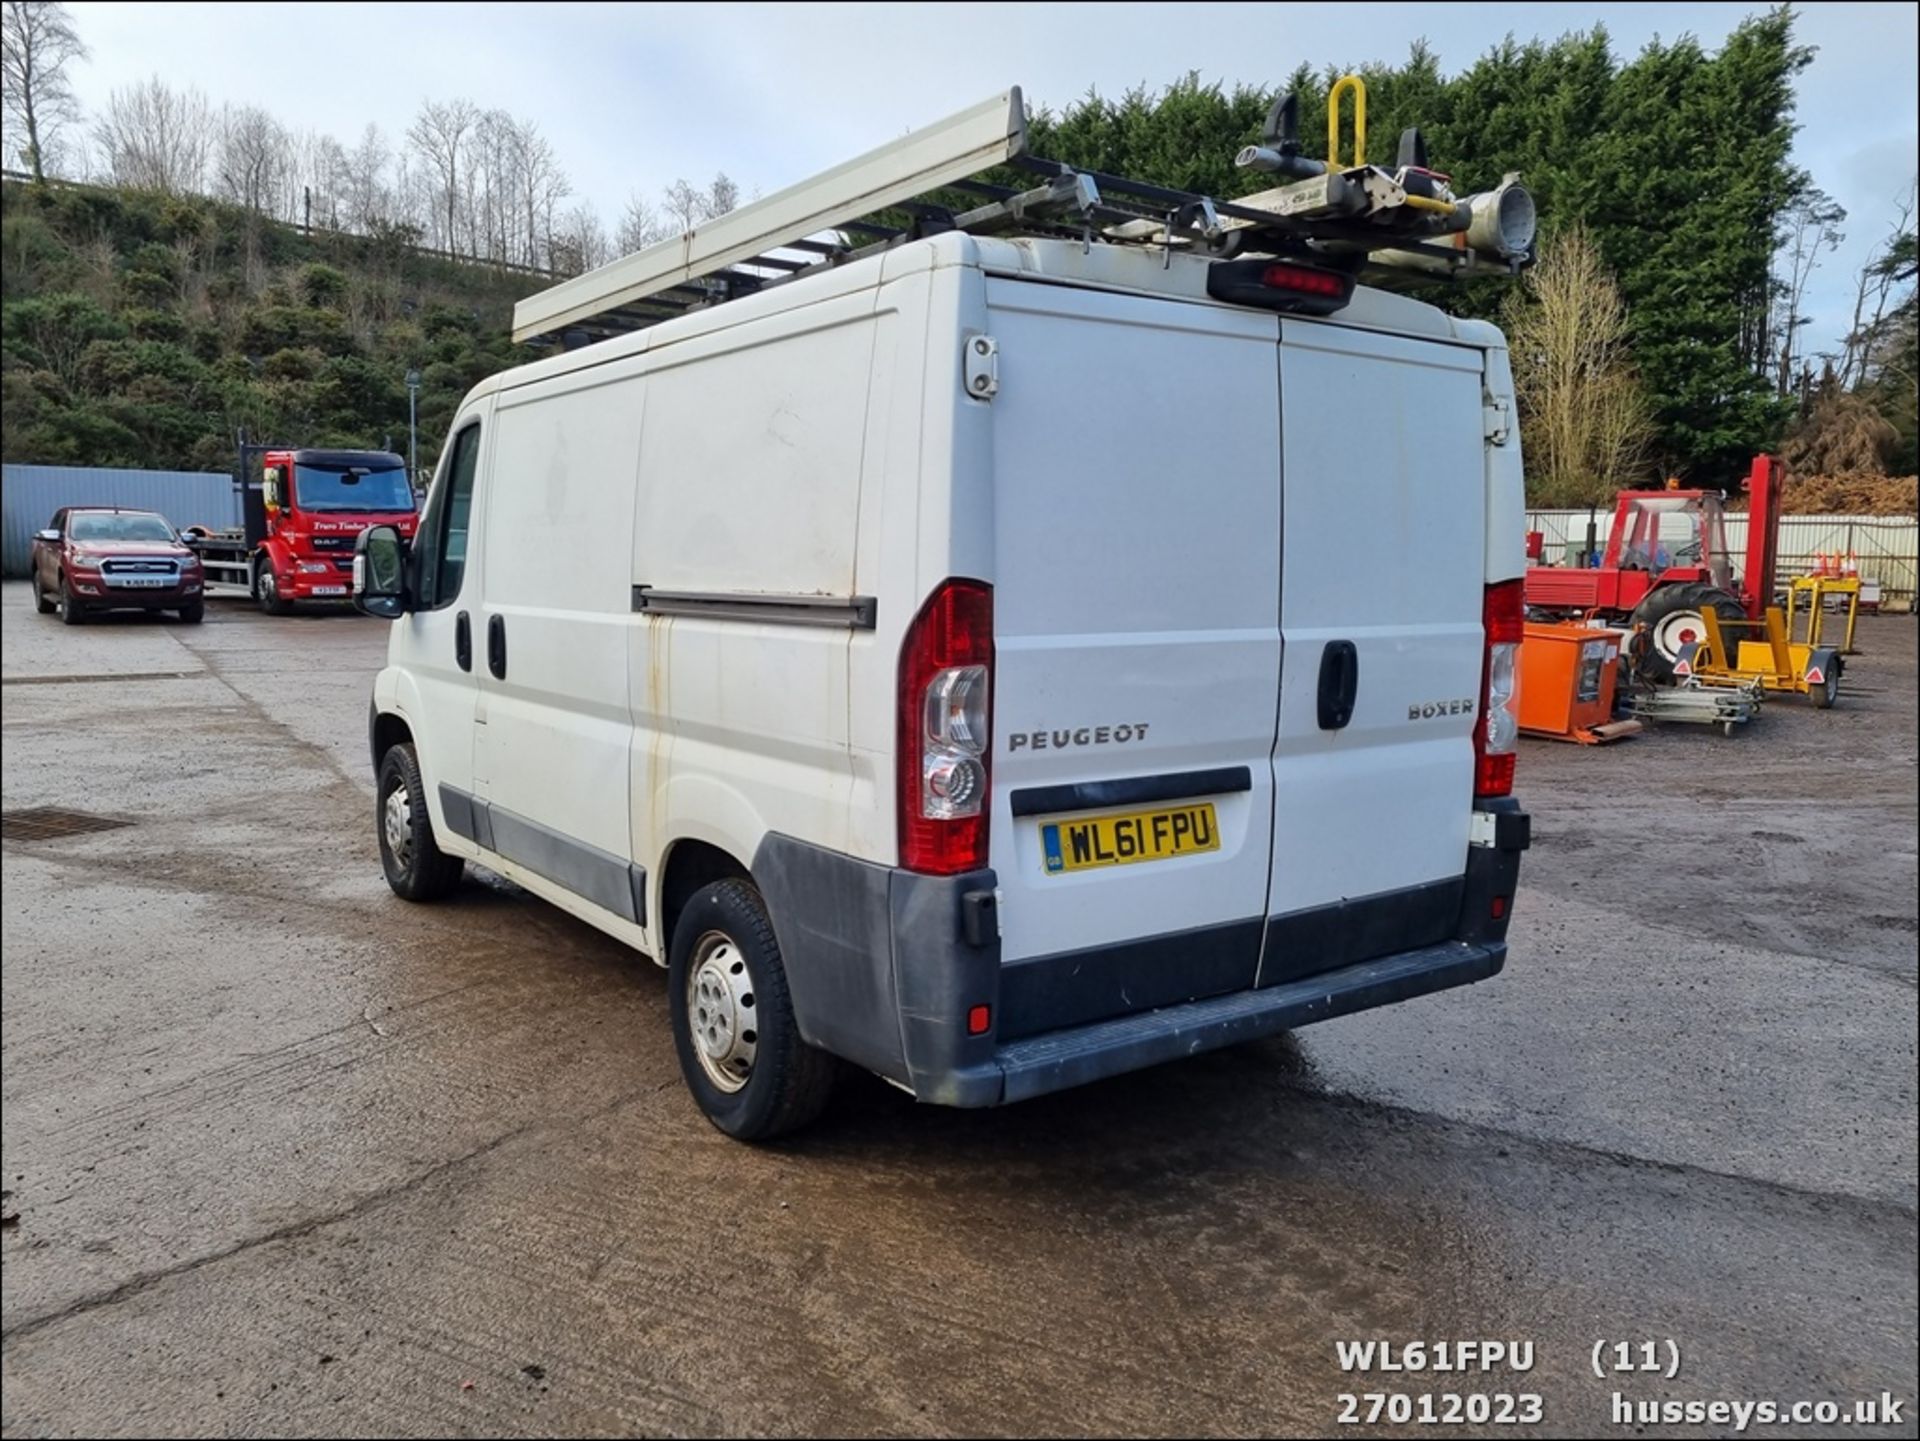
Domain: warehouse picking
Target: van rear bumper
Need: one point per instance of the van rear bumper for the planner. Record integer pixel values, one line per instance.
(884, 966)
(1058, 1060)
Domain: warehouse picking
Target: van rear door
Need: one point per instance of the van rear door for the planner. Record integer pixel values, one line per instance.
(1383, 540)
(1136, 498)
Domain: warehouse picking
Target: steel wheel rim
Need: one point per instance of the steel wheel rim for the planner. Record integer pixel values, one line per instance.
(1678, 629)
(266, 584)
(721, 1014)
(397, 823)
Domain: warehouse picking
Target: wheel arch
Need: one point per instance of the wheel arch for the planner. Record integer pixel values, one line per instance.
(385, 730)
(689, 864)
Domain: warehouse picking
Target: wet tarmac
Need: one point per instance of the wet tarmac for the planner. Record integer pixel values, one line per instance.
(285, 1154)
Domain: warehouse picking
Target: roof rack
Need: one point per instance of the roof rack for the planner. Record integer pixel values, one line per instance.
(1351, 217)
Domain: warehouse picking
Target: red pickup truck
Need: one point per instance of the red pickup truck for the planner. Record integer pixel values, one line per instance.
(95, 558)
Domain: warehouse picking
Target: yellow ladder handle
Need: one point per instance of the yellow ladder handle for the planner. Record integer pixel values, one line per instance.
(1334, 96)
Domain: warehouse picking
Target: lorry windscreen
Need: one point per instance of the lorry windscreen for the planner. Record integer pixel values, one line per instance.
(327, 487)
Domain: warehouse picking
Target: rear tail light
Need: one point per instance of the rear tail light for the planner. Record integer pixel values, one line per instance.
(946, 718)
(1496, 735)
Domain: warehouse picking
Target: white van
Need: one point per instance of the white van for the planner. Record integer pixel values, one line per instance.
(995, 663)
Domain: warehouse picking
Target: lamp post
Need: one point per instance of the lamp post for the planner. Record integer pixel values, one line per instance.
(413, 449)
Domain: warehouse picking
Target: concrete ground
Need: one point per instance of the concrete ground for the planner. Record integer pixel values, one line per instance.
(285, 1154)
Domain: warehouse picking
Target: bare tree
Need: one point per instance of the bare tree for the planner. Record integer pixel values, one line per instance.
(539, 184)
(331, 170)
(640, 226)
(1586, 419)
(440, 135)
(722, 196)
(1811, 227)
(685, 206)
(581, 242)
(366, 179)
(37, 43)
(1890, 266)
(491, 165)
(156, 138)
(253, 162)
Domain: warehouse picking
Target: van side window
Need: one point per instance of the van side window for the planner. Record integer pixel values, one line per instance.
(443, 529)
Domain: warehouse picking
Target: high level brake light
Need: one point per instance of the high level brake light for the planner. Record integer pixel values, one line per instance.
(1280, 285)
(1496, 734)
(945, 720)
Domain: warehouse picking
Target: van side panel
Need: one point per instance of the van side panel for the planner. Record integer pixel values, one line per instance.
(553, 736)
(1384, 532)
(750, 473)
(1136, 506)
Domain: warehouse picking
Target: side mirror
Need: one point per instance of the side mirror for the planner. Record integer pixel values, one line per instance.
(270, 487)
(379, 572)
(51, 537)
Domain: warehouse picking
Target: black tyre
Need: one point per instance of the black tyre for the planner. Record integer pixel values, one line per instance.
(1828, 691)
(195, 613)
(42, 602)
(1672, 617)
(416, 867)
(71, 611)
(733, 1025)
(266, 590)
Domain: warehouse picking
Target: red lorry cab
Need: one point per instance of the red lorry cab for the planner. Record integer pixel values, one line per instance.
(315, 503)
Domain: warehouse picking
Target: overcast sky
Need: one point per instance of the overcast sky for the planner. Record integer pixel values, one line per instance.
(633, 96)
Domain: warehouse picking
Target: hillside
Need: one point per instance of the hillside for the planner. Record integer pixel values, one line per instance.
(140, 329)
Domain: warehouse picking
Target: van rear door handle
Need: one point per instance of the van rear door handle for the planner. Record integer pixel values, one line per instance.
(1339, 683)
(463, 641)
(497, 646)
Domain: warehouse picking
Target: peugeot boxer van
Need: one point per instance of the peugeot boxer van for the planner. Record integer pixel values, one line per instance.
(995, 663)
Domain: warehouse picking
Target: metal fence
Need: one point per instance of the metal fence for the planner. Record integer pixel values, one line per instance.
(30, 494)
(1887, 547)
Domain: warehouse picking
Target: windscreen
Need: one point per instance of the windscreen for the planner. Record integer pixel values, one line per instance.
(118, 525)
(355, 488)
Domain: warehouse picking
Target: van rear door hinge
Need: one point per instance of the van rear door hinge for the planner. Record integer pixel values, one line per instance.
(1495, 421)
(982, 368)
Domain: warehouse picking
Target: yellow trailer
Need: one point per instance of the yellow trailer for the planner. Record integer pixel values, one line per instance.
(1739, 653)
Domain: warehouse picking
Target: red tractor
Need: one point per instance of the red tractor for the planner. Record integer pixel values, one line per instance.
(1665, 563)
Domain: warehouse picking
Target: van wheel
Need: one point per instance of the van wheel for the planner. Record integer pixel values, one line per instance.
(266, 590)
(42, 602)
(416, 867)
(733, 1025)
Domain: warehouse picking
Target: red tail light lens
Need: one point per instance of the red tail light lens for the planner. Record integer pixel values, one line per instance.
(945, 737)
(1496, 735)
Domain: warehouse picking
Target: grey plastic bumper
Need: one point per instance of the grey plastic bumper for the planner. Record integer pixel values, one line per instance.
(883, 965)
(1062, 1059)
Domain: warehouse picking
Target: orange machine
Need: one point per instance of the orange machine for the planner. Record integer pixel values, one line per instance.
(1567, 675)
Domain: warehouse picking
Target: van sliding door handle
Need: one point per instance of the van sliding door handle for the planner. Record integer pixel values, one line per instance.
(463, 641)
(497, 646)
(1339, 683)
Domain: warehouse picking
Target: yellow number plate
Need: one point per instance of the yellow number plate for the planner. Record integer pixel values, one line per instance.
(1122, 840)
